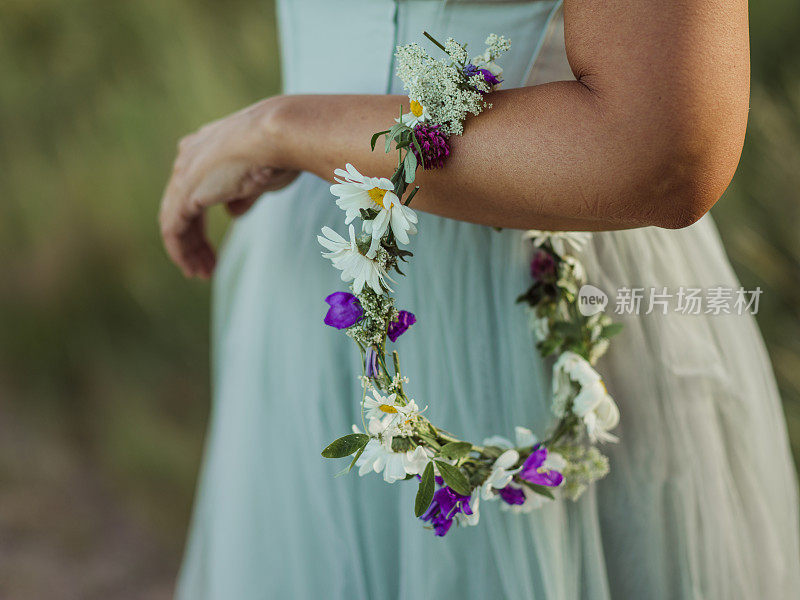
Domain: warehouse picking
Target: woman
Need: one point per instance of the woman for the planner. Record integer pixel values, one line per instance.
(701, 500)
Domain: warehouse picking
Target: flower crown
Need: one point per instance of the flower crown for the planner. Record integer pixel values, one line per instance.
(397, 440)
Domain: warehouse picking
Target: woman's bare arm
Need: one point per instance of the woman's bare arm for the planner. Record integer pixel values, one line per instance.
(650, 133)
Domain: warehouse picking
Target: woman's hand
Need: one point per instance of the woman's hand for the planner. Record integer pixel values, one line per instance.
(230, 161)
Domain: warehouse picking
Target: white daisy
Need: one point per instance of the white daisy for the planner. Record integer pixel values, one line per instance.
(417, 114)
(562, 241)
(386, 410)
(379, 457)
(355, 192)
(354, 266)
(379, 406)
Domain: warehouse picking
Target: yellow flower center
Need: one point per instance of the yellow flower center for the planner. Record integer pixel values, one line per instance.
(376, 195)
(416, 108)
(387, 409)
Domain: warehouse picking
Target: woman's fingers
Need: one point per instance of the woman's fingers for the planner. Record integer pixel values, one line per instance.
(240, 206)
(183, 233)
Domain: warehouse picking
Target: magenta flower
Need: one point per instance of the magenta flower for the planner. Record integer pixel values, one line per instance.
(433, 144)
(345, 310)
(446, 504)
(490, 77)
(533, 469)
(512, 495)
(397, 328)
(543, 267)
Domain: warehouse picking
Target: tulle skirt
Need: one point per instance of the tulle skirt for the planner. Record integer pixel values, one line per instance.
(701, 501)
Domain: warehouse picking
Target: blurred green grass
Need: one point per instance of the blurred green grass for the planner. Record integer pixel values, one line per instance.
(104, 347)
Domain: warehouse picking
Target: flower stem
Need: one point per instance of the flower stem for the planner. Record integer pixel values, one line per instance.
(434, 40)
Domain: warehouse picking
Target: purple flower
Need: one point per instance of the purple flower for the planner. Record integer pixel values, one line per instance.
(489, 77)
(543, 266)
(446, 504)
(534, 471)
(397, 328)
(433, 144)
(371, 364)
(512, 495)
(345, 310)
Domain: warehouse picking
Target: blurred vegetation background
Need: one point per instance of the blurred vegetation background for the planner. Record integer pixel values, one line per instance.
(104, 347)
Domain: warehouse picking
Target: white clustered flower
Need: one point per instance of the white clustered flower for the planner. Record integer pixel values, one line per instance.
(356, 192)
(599, 345)
(354, 266)
(575, 267)
(397, 382)
(592, 403)
(455, 51)
(584, 465)
(563, 242)
(496, 45)
(438, 85)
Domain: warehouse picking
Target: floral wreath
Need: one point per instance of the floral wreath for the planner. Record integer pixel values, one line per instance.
(397, 440)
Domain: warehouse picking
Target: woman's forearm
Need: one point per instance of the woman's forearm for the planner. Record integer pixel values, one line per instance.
(492, 177)
(543, 157)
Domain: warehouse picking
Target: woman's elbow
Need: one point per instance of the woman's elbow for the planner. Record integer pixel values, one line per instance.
(693, 176)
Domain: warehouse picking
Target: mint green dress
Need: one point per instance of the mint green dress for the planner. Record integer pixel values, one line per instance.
(701, 501)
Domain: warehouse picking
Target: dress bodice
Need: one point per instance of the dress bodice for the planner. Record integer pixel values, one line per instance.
(347, 46)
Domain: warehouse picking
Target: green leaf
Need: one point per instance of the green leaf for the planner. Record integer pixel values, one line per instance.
(566, 328)
(455, 450)
(542, 490)
(345, 445)
(410, 165)
(429, 441)
(375, 137)
(549, 346)
(493, 451)
(611, 330)
(425, 491)
(355, 458)
(419, 150)
(454, 478)
(346, 470)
